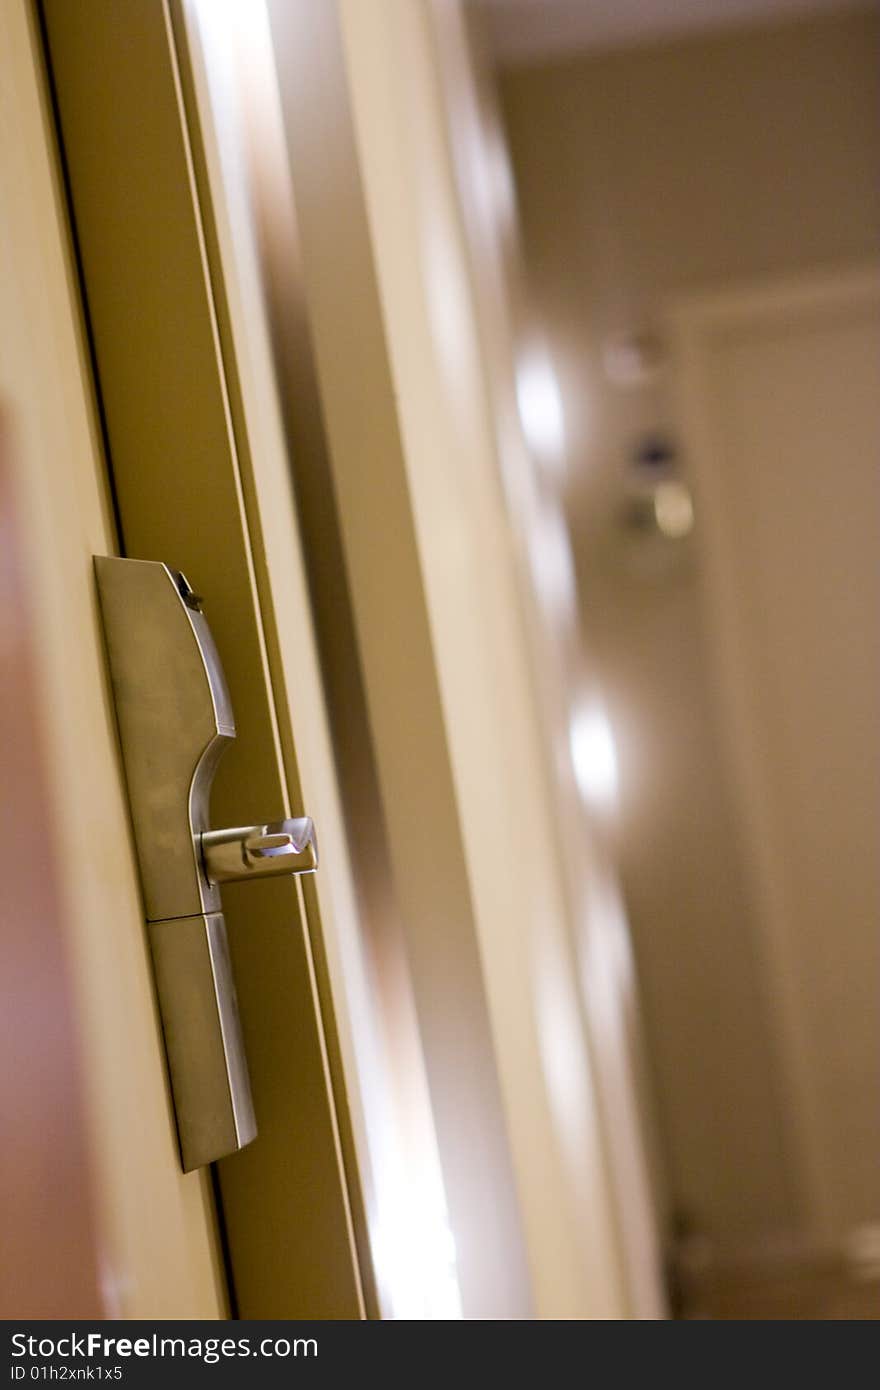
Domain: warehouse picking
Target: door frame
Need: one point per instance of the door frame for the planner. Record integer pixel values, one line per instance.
(184, 489)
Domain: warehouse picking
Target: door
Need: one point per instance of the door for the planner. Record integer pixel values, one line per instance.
(779, 404)
(180, 472)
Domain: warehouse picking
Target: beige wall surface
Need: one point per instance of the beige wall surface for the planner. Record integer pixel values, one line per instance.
(641, 174)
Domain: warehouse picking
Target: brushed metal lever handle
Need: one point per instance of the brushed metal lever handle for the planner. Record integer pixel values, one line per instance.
(175, 718)
(260, 851)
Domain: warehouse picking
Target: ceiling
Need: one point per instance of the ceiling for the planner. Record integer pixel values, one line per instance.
(523, 31)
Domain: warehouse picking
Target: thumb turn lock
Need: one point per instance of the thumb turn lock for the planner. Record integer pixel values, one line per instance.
(260, 851)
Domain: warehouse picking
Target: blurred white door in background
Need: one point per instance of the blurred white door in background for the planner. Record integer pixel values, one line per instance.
(778, 392)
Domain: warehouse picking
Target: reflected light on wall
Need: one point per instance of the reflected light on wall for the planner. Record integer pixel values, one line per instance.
(444, 281)
(415, 1258)
(499, 177)
(540, 408)
(561, 1040)
(593, 756)
(573, 1103)
(604, 952)
(552, 563)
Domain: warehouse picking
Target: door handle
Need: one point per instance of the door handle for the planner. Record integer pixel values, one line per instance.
(175, 718)
(260, 851)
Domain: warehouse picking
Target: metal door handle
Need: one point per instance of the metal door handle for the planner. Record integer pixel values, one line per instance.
(175, 719)
(260, 851)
